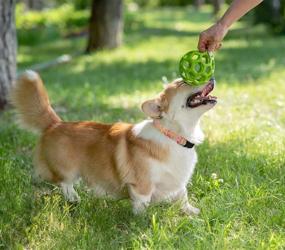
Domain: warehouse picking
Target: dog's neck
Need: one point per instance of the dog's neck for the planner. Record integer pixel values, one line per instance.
(191, 132)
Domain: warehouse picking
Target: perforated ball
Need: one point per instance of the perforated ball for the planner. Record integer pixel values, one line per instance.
(197, 67)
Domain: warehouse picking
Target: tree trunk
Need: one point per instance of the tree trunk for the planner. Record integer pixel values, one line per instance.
(8, 49)
(272, 13)
(198, 4)
(105, 25)
(217, 4)
(269, 12)
(34, 4)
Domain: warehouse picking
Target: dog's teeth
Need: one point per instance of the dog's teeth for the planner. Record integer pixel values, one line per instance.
(195, 101)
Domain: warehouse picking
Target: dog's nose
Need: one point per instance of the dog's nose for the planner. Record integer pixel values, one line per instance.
(212, 80)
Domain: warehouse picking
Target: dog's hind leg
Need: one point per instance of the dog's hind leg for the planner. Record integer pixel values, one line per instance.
(67, 186)
(63, 176)
(69, 178)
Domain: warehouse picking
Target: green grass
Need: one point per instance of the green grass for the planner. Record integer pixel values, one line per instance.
(244, 208)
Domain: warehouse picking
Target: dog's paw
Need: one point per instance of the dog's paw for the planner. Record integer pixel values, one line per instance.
(73, 198)
(190, 210)
(139, 208)
(69, 193)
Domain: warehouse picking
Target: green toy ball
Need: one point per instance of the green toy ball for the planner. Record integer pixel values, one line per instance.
(197, 67)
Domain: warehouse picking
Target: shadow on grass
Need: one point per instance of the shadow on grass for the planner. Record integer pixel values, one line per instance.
(241, 65)
(100, 112)
(252, 62)
(150, 32)
(43, 52)
(178, 14)
(111, 78)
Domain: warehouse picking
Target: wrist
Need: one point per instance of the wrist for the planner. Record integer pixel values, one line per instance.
(222, 27)
(224, 24)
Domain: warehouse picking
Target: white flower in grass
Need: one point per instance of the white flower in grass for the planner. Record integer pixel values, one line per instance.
(214, 176)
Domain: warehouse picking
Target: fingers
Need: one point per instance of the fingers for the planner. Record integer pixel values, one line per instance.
(202, 44)
(208, 45)
(214, 46)
(210, 39)
(211, 47)
(218, 46)
(202, 47)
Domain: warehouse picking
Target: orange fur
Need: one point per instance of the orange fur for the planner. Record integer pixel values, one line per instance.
(117, 159)
(105, 154)
(30, 98)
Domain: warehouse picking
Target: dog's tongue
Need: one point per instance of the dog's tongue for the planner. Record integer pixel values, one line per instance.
(208, 88)
(204, 92)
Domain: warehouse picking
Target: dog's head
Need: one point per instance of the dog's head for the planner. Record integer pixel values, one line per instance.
(181, 103)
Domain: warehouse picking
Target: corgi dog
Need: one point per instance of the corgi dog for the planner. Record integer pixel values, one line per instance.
(148, 162)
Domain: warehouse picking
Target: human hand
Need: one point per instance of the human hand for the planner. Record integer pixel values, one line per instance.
(211, 39)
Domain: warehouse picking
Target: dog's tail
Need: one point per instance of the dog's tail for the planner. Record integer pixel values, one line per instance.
(30, 98)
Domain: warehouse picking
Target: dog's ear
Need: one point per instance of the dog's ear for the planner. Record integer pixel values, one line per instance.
(152, 108)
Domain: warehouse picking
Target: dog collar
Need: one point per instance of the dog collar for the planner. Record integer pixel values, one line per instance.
(173, 136)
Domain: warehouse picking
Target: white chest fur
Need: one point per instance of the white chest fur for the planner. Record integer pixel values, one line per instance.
(173, 175)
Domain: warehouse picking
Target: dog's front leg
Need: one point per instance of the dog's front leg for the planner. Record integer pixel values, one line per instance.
(140, 198)
(182, 198)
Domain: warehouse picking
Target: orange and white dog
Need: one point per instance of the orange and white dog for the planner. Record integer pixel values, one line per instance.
(148, 162)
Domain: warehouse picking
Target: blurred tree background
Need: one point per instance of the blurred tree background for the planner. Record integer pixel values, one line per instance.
(272, 13)
(103, 22)
(8, 48)
(39, 20)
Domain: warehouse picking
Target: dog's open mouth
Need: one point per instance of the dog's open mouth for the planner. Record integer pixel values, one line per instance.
(202, 97)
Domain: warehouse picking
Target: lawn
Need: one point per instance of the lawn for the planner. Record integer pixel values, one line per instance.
(239, 182)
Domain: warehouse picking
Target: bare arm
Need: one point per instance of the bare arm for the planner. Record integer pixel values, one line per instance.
(238, 9)
(211, 38)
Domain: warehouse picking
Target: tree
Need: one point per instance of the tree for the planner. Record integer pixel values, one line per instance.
(34, 4)
(273, 14)
(217, 4)
(198, 3)
(8, 49)
(105, 25)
